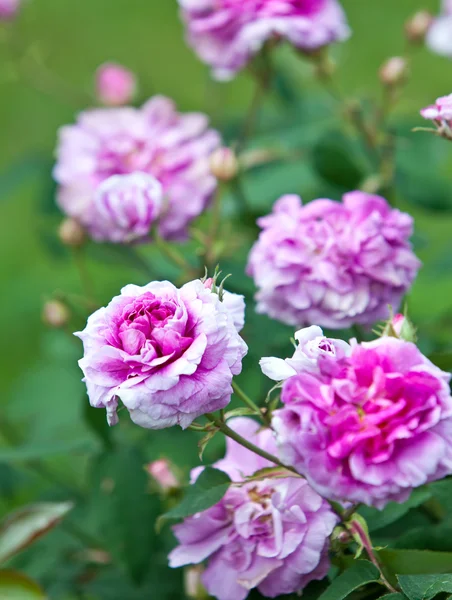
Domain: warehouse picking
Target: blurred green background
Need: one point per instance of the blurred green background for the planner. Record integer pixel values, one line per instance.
(43, 402)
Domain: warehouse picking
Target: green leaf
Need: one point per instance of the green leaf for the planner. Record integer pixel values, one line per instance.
(123, 510)
(209, 489)
(425, 587)
(412, 562)
(361, 573)
(336, 160)
(377, 519)
(26, 525)
(16, 586)
(394, 596)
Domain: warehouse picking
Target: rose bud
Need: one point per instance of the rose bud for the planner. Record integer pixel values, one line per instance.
(115, 85)
(416, 28)
(55, 314)
(394, 71)
(403, 328)
(71, 233)
(224, 164)
(161, 471)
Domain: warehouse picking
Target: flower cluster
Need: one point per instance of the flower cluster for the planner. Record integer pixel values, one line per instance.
(168, 354)
(270, 534)
(226, 34)
(368, 426)
(330, 263)
(155, 140)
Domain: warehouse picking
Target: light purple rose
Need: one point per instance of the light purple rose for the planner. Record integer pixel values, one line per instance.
(115, 85)
(369, 427)
(154, 139)
(235, 303)
(312, 344)
(9, 9)
(270, 534)
(332, 263)
(226, 34)
(168, 354)
(125, 208)
(439, 35)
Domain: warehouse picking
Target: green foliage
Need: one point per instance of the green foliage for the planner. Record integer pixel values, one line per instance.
(360, 574)
(209, 488)
(425, 587)
(16, 586)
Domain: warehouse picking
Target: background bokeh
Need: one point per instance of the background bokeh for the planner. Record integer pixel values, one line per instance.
(43, 402)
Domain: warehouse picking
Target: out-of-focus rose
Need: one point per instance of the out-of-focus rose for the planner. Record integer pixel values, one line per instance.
(9, 9)
(161, 471)
(125, 207)
(369, 427)
(227, 34)
(270, 534)
(156, 140)
(332, 263)
(439, 35)
(441, 114)
(168, 354)
(115, 85)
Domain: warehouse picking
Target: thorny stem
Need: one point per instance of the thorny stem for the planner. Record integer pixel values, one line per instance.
(246, 399)
(356, 528)
(246, 444)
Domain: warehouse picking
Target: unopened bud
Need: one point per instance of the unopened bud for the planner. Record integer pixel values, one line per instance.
(403, 328)
(162, 473)
(224, 164)
(416, 28)
(71, 233)
(394, 71)
(55, 314)
(115, 85)
(193, 583)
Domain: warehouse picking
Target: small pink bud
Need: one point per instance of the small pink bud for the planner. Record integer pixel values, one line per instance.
(115, 85)
(224, 164)
(9, 9)
(416, 28)
(55, 314)
(71, 233)
(403, 328)
(161, 471)
(394, 71)
(193, 583)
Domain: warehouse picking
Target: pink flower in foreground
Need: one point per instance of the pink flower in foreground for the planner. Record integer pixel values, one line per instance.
(9, 9)
(154, 139)
(369, 427)
(441, 114)
(270, 534)
(439, 35)
(332, 263)
(226, 34)
(115, 85)
(312, 344)
(168, 354)
(125, 208)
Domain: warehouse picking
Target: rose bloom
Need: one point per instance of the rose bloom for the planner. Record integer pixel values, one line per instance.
(368, 427)
(115, 85)
(311, 345)
(441, 114)
(226, 34)
(125, 208)
(439, 35)
(270, 534)
(154, 139)
(168, 354)
(332, 263)
(9, 9)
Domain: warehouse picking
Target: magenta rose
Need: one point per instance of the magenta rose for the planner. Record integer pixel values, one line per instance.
(226, 34)
(368, 427)
(332, 263)
(154, 139)
(270, 534)
(168, 354)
